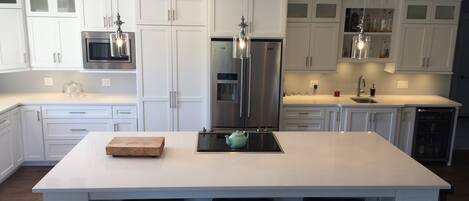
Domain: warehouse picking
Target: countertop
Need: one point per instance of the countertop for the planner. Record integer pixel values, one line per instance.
(383, 101)
(10, 101)
(311, 161)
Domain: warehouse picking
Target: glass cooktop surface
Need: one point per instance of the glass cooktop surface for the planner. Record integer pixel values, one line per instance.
(257, 142)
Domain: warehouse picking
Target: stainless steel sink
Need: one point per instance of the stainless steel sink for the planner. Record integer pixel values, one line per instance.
(363, 100)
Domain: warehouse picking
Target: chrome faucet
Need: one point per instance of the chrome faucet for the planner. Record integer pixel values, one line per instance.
(361, 83)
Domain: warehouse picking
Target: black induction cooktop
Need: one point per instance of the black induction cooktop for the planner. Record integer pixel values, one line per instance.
(257, 142)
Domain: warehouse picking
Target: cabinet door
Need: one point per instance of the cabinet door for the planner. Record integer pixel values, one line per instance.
(332, 119)
(357, 120)
(413, 46)
(324, 46)
(297, 46)
(384, 123)
(267, 18)
(64, 8)
(10, 4)
(126, 9)
(416, 11)
(189, 12)
(57, 8)
(156, 12)
(69, 54)
(17, 137)
(446, 11)
(38, 7)
(442, 42)
(43, 34)
(12, 42)
(299, 10)
(32, 133)
(7, 162)
(95, 15)
(156, 77)
(406, 130)
(326, 10)
(225, 15)
(190, 77)
(125, 125)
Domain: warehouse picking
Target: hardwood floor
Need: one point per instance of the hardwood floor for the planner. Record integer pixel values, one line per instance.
(18, 186)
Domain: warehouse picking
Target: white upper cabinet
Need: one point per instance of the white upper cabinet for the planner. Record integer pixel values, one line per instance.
(101, 15)
(13, 56)
(172, 12)
(265, 18)
(55, 43)
(427, 48)
(57, 8)
(312, 46)
(11, 3)
(314, 10)
(427, 11)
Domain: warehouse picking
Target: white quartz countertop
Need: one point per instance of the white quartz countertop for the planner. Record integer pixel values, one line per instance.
(310, 161)
(10, 101)
(383, 101)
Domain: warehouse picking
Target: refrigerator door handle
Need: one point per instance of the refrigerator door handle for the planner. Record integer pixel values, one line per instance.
(241, 90)
(249, 85)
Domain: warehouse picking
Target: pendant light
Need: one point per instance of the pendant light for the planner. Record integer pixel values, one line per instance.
(119, 40)
(242, 42)
(361, 43)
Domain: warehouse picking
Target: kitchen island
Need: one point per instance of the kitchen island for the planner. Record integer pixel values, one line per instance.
(361, 165)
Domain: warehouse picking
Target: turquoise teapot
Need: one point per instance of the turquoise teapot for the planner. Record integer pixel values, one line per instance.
(237, 140)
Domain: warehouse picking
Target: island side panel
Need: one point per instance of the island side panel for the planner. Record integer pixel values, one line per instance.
(65, 196)
(417, 195)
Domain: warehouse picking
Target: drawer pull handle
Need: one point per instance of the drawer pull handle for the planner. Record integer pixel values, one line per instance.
(125, 113)
(79, 130)
(303, 126)
(304, 113)
(77, 112)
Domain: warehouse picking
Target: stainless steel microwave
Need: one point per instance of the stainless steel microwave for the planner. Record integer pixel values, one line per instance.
(97, 52)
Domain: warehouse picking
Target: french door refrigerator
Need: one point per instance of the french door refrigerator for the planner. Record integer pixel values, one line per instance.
(245, 93)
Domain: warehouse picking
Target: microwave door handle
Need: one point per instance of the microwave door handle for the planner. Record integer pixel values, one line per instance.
(241, 90)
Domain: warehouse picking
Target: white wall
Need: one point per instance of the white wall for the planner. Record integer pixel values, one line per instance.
(33, 82)
(346, 78)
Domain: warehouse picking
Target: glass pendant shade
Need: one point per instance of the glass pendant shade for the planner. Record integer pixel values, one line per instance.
(119, 44)
(360, 46)
(242, 42)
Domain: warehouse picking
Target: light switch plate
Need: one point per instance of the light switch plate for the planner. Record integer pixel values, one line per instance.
(312, 83)
(402, 84)
(106, 82)
(48, 81)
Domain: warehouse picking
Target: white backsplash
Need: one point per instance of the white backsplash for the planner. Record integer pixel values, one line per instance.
(346, 78)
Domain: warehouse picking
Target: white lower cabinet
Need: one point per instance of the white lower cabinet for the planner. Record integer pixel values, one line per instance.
(11, 145)
(32, 133)
(56, 149)
(310, 118)
(406, 130)
(125, 125)
(380, 120)
(74, 129)
(17, 138)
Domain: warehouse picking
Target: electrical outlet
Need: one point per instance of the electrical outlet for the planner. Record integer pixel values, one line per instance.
(402, 84)
(312, 83)
(106, 82)
(48, 81)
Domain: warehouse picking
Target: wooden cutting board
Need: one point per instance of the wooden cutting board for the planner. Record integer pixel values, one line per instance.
(136, 146)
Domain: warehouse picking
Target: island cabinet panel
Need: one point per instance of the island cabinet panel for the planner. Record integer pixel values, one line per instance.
(172, 12)
(173, 88)
(380, 120)
(265, 18)
(32, 133)
(295, 118)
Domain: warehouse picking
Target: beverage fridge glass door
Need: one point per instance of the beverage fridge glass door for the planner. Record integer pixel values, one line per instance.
(263, 80)
(226, 87)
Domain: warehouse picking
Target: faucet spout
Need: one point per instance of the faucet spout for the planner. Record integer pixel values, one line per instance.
(361, 83)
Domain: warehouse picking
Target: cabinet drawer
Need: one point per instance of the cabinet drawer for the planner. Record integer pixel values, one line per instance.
(56, 149)
(4, 120)
(61, 129)
(87, 112)
(304, 113)
(309, 125)
(124, 112)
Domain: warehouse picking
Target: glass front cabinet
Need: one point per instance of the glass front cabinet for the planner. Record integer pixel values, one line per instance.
(439, 11)
(10, 3)
(314, 10)
(59, 8)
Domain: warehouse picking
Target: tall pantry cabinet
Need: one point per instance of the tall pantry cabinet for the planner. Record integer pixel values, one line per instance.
(172, 64)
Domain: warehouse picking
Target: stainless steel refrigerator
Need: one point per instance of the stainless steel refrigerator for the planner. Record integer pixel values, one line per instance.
(245, 94)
